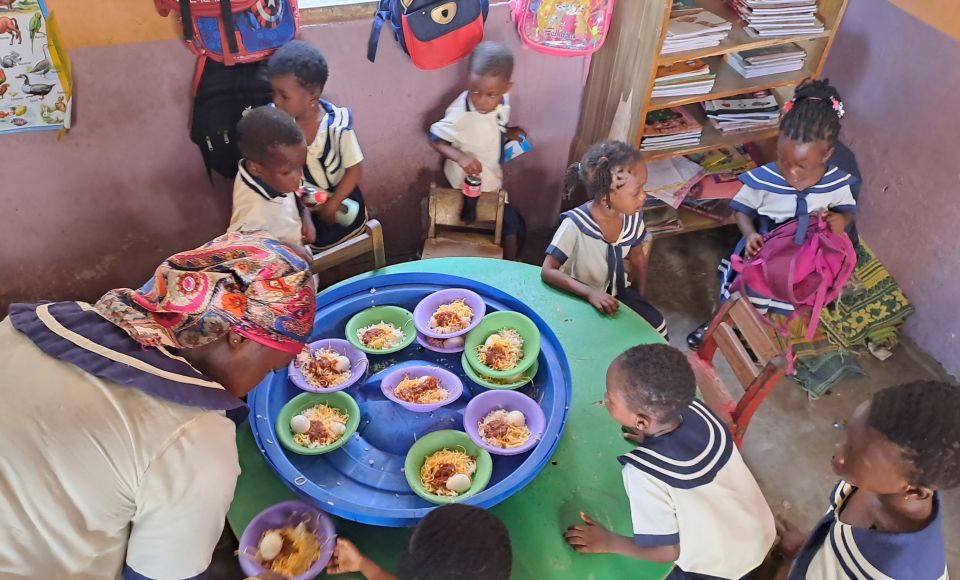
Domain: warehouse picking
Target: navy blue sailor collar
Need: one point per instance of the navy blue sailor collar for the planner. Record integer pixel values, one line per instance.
(258, 185)
(632, 233)
(76, 333)
(689, 456)
(768, 178)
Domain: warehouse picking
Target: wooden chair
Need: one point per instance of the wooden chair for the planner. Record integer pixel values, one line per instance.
(371, 240)
(757, 374)
(448, 236)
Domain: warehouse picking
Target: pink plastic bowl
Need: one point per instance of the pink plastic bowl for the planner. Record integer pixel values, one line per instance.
(489, 401)
(429, 305)
(448, 381)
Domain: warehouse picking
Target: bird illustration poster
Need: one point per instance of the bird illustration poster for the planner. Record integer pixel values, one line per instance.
(35, 88)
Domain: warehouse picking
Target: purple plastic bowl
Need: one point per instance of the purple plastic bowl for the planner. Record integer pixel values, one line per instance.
(423, 342)
(489, 401)
(278, 516)
(429, 305)
(358, 365)
(448, 381)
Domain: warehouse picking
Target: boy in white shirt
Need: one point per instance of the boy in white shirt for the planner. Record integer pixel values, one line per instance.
(692, 499)
(474, 130)
(264, 195)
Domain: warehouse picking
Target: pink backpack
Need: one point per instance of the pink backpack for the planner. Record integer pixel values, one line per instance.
(808, 275)
(563, 27)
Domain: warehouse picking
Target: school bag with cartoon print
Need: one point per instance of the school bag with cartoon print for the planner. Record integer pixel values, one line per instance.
(435, 33)
(234, 31)
(563, 27)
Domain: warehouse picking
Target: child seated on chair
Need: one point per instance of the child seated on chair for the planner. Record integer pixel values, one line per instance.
(298, 74)
(586, 256)
(264, 195)
(900, 449)
(692, 499)
(472, 133)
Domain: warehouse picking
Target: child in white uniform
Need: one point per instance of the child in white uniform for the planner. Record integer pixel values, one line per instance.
(473, 131)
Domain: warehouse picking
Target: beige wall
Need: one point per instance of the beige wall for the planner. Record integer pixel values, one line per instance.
(944, 15)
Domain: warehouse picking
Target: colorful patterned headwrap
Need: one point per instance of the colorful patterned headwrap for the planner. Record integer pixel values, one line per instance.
(246, 282)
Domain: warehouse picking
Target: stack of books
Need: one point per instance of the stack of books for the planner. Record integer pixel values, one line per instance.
(690, 77)
(669, 128)
(670, 179)
(683, 7)
(765, 18)
(659, 217)
(768, 60)
(711, 196)
(749, 112)
(693, 30)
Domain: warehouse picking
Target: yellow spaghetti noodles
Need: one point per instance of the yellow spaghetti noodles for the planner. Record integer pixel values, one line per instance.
(299, 551)
(380, 336)
(327, 425)
(440, 466)
(502, 350)
(451, 317)
(421, 390)
(495, 429)
(321, 367)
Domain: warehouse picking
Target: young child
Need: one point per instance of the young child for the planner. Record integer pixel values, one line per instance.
(586, 255)
(798, 184)
(298, 74)
(900, 449)
(692, 499)
(472, 133)
(453, 541)
(273, 151)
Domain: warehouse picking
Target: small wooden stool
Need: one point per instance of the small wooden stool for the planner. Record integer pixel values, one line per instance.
(371, 240)
(448, 236)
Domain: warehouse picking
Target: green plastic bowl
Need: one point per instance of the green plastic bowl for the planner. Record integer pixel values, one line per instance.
(399, 317)
(491, 324)
(486, 381)
(446, 439)
(296, 405)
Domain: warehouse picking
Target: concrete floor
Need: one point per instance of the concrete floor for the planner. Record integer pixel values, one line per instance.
(791, 438)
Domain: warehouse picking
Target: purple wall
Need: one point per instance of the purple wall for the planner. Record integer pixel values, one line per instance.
(126, 188)
(900, 81)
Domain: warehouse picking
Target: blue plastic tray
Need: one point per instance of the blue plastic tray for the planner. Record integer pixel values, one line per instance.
(363, 481)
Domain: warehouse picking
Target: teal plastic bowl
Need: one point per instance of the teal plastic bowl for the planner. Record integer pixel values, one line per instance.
(399, 317)
(304, 401)
(446, 439)
(493, 323)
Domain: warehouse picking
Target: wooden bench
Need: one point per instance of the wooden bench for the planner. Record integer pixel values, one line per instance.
(448, 236)
(371, 240)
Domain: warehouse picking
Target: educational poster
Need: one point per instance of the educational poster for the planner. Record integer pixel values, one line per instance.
(34, 72)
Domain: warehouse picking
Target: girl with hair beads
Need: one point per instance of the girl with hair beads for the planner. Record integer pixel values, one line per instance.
(586, 256)
(799, 183)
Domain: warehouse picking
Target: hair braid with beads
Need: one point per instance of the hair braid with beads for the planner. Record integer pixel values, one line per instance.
(594, 173)
(813, 114)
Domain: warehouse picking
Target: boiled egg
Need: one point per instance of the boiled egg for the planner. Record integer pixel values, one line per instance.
(459, 483)
(299, 424)
(338, 428)
(341, 364)
(454, 342)
(270, 545)
(516, 419)
(491, 340)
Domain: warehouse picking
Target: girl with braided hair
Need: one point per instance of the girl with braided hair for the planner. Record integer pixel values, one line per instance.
(586, 256)
(799, 183)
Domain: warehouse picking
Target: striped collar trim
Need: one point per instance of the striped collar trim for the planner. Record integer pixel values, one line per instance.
(76, 333)
(688, 457)
(631, 233)
(768, 178)
(257, 184)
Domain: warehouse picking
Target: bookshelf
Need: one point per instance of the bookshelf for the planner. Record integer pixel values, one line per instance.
(617, 96)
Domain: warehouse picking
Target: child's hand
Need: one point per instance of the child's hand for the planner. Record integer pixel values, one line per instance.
(470, 164)
(328, 213)
(591, 538)
(836, 221)
(346, 558)
(754, 244)
(603, 302)
(515, 134)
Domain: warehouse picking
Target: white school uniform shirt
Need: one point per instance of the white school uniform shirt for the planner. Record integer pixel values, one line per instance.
(333, 150)
(478, 134)
(839, 551)
(257, 206)
(765, 192)
(587, 257)
(95, 474)
(690, 487)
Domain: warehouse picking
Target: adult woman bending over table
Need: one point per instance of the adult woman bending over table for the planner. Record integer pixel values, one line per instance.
(119, 453)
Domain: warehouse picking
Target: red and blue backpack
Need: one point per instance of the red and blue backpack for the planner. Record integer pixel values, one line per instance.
(435, 33)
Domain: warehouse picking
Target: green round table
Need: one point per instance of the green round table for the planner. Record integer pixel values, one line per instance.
(583, 474)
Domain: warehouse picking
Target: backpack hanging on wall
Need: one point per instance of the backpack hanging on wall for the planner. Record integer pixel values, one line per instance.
(234, 31)
(435, 33)
(563, 27)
